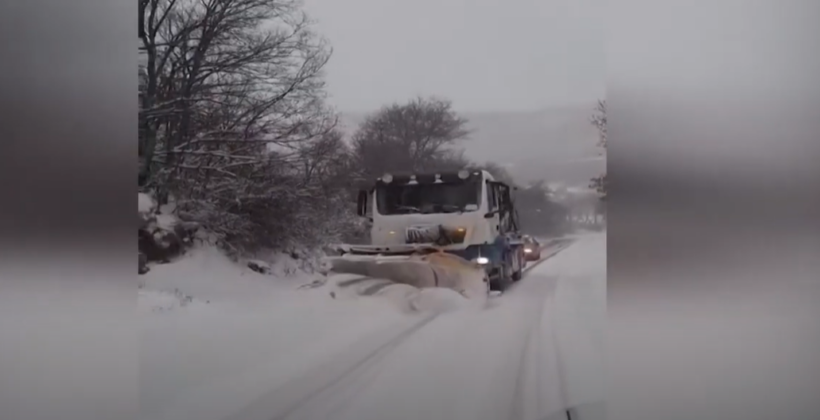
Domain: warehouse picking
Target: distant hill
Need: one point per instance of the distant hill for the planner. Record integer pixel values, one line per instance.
(555, 144)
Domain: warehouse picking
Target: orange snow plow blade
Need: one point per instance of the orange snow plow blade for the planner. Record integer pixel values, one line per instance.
(437, 269)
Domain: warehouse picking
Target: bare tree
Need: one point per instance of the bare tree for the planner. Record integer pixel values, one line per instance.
(448, 160)
(235, 125)
(223, 71)
(598, 120)
(417, 136)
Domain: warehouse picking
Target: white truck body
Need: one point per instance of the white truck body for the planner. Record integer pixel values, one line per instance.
(391, 230)
(467, 214)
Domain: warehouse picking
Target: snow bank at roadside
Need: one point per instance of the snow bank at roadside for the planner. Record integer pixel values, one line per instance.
(205, 275)
(208, 274)
(215, 333)
(197, 273)
(165, 301)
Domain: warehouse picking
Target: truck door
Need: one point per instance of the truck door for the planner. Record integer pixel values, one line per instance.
(493, 208)
(506, 222)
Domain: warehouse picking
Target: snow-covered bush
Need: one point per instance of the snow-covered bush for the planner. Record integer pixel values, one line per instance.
(161, 237)
(270, 205)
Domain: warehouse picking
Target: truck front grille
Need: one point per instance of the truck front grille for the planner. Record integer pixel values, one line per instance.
(434, 235)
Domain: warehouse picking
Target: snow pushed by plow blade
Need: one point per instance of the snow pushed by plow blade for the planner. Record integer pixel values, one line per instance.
(436, 280)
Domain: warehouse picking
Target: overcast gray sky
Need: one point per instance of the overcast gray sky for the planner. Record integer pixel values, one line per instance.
(485, 55)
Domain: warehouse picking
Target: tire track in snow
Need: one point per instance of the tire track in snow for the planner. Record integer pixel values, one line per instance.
(540, 363)
(325, 380)
(533, 348)
(558, 244)
(530, 348)
(561, 380)
(320, 388)
(562, 372)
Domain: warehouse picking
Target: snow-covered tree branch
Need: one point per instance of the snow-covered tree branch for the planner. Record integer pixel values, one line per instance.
(598, 120)
(235, 129)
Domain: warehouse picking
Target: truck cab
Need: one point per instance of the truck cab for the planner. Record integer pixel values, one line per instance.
(466, 213)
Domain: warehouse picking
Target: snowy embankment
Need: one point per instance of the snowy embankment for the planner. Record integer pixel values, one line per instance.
(208, 322)
(236, 326)
(259, 346)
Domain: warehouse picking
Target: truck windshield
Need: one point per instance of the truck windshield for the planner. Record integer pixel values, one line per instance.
(428, 198)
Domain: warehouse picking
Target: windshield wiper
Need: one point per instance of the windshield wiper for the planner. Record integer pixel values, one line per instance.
(408, 209)
(451, 208)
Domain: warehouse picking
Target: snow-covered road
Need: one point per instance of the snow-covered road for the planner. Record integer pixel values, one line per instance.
(530, 354)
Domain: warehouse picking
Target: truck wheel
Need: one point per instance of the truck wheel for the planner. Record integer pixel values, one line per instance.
(504, 278)
(500, 283)
(517, 275)
(519, 270)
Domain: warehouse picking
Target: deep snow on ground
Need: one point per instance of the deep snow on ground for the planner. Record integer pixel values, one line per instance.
(165, 300)
(205, 273)
(252, 346)
(242, 327)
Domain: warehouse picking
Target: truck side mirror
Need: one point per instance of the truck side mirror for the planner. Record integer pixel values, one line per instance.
(361, 203)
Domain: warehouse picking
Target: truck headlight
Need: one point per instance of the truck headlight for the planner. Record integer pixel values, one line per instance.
(482, 260)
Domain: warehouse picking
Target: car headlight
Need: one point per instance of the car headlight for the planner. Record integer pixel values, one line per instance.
(527, 250)
(482, 260)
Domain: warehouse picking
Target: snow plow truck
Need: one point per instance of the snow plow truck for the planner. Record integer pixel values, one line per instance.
(451, 229)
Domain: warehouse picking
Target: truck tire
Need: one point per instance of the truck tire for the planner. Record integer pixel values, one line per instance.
(501, 283)
(519, 272)
(504, 278)
(516, 276)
